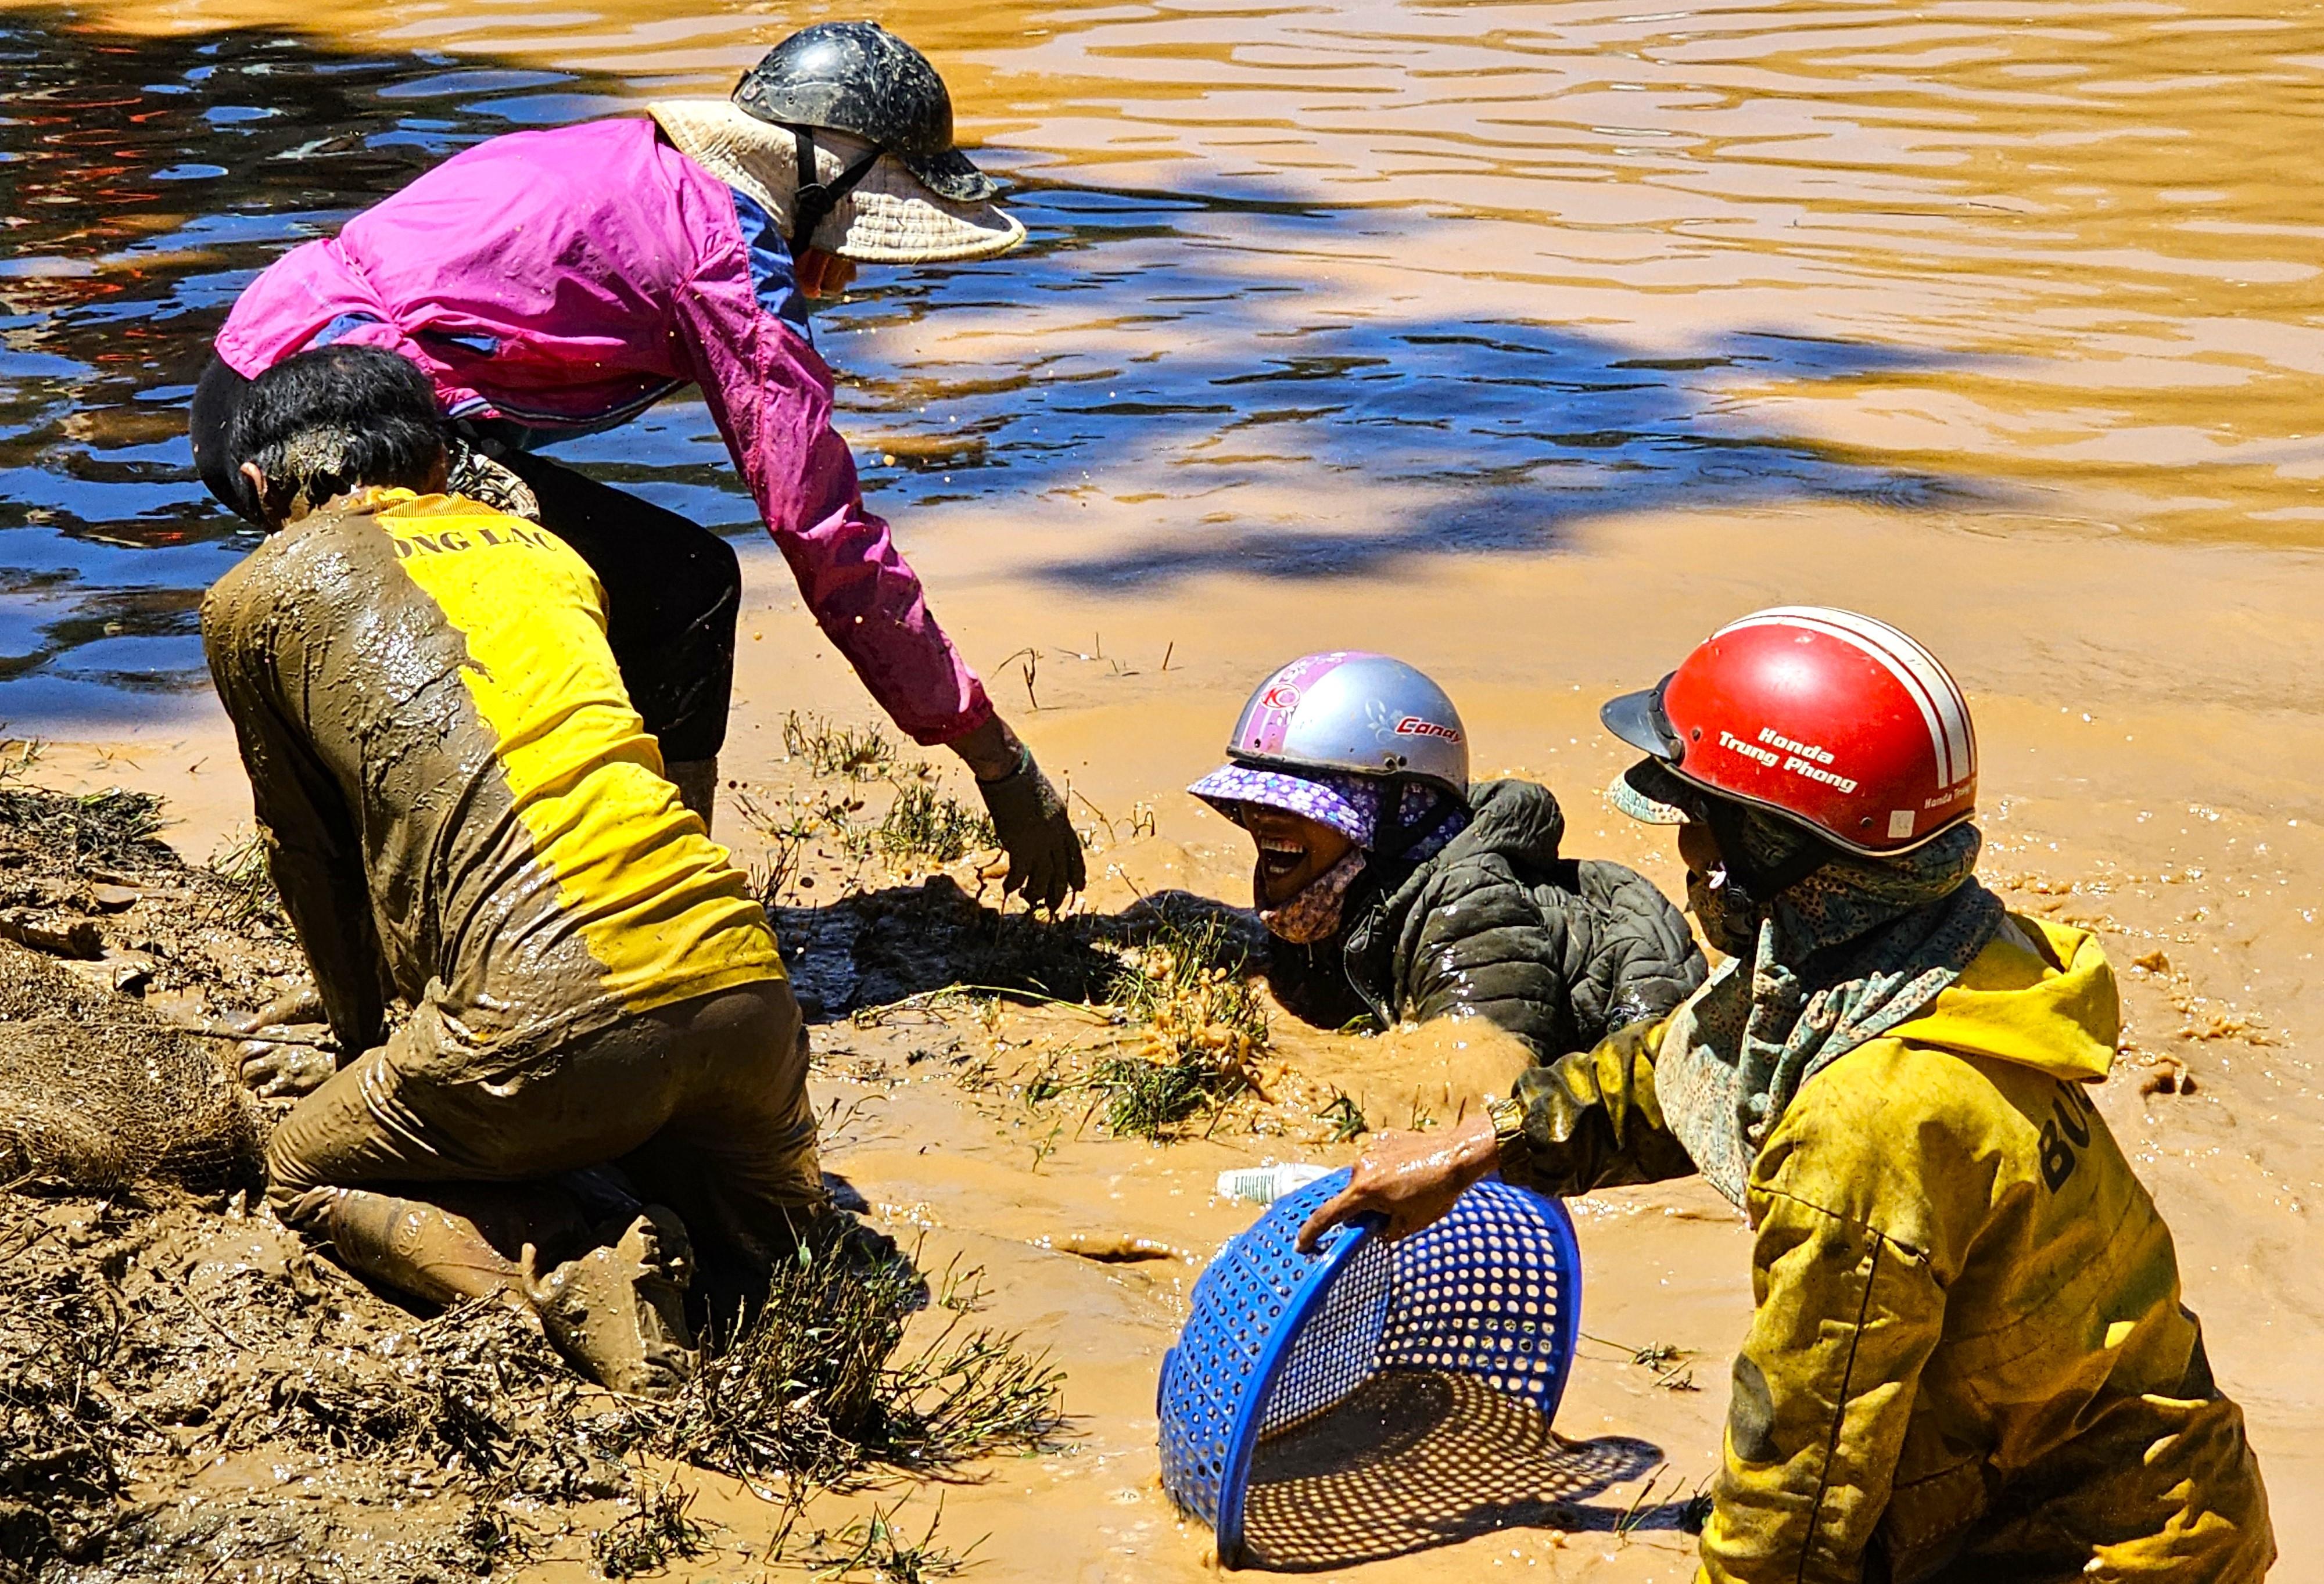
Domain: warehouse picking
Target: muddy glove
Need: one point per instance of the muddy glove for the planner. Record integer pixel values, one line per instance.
(1592, 1120)
(1045, 855)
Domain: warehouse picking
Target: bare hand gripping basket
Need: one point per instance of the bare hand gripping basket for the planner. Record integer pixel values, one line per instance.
(1277, 1337)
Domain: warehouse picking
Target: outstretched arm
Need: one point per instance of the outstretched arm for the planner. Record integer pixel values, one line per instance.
(771, 397)
(1592, 1120)
(1587, 1121)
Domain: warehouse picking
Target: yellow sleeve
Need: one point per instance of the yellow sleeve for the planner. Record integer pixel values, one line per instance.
(1591, 1120)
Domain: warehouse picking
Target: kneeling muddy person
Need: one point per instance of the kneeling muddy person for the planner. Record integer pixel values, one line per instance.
(1393, 888)
(459, 805)
(1968, 1359)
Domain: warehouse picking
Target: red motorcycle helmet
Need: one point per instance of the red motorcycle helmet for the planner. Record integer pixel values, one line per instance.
(1833, 721)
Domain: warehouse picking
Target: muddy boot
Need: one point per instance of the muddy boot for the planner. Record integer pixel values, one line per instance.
(620, 1311)
(696, 780)
(416, 1247)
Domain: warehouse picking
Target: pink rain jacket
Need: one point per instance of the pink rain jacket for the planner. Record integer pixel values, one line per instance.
(564, 280)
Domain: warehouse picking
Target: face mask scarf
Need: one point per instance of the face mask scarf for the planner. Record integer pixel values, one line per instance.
(1316, 913)
(1840, 957)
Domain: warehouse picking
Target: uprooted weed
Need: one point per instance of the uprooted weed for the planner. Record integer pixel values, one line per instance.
(811, 1389)
(97, 1092)
(1189, 988)
(244, 892)
(112, 826)
(138, 1347)
(879, 1549)
(924, 825)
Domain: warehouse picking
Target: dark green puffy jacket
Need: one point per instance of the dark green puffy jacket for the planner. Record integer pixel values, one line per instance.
(1557, 950)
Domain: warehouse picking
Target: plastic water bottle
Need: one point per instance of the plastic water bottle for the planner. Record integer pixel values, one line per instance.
(1266, 1184)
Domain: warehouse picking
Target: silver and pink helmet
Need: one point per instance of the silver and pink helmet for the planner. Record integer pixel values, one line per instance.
(1354, 714)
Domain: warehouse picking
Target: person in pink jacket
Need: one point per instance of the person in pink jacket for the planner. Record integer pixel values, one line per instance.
(557, 283)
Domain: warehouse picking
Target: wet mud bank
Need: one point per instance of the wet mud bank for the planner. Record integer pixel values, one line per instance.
(980, 1125)
(1527, 352)
(195, 1395)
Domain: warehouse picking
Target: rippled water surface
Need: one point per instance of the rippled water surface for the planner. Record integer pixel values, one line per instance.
(1311, 287)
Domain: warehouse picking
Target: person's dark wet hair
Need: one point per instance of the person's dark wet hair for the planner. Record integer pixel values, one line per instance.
(334, 420)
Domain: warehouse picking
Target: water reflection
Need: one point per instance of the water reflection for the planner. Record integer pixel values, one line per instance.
(149, 179)
(1310, 286)
(155, 177)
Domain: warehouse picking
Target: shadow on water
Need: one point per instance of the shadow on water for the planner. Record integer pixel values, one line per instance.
(1415, 1459)
(1167, 346)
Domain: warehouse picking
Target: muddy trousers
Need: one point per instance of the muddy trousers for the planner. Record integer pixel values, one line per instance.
(431, 1179)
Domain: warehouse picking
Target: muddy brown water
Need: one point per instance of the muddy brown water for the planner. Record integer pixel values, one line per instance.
(1526, 343)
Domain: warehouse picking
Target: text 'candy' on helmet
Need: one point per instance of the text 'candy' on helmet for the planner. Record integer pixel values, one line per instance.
(1358, 713)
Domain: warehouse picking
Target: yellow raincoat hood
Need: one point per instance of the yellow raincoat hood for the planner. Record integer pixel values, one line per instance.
(2041, 995)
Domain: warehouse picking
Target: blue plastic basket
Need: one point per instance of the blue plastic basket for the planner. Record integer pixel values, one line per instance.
(1278, 1337)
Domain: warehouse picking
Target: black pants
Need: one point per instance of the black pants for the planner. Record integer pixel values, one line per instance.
(673, 589)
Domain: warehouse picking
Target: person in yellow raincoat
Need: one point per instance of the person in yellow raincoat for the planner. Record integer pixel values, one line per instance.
(1968, 1362)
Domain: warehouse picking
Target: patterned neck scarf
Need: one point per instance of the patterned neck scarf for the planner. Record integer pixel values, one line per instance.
(1857, 948)
(1315, 913)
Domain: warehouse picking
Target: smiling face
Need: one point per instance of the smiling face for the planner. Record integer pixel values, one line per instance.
(1293, 851)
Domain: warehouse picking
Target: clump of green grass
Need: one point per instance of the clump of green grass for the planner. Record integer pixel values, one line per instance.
(246, 894)
(811, 1388)
(1345, 1118)
(1152, 1100)
(857, 753)
(1189, 988)
(924, 825)
(112, 825)
(644, 1541)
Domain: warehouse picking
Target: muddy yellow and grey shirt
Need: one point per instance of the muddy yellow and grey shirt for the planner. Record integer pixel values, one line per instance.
(459, 804)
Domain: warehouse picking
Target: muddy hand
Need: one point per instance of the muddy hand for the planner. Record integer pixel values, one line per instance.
(1045, 852)
(278, 1071)
(1410, 1179)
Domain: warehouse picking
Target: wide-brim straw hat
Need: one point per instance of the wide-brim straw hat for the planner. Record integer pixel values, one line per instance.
(888, 217)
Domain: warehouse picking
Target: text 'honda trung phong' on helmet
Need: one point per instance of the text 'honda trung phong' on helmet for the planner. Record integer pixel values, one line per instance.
(1835, 721)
